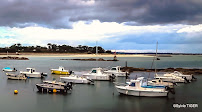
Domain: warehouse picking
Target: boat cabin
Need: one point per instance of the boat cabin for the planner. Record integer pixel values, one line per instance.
(31, 70)
(61, 68)
(97, 71)
(118, 68)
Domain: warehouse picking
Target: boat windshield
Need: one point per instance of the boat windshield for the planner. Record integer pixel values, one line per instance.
(94, 71)
(132, 84)
(113, 69)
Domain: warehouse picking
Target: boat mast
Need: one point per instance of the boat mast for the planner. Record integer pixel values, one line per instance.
(156, 56)
(96, 50)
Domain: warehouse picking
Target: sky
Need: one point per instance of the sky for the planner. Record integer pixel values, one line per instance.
(121, 25)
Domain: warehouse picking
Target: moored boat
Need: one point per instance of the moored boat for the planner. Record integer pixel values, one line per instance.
(31, 73)
(117, 71)
(179, 74)
(139, 88)
(77, 79)
(8, 69)
(61, 71)
(98, 74)
(16, 77)
(54, 88)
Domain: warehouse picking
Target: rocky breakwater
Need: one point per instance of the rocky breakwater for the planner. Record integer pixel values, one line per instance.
(183, 70)
(14, 58)
(91, 59)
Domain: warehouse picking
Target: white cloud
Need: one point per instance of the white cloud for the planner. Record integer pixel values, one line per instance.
(80, 33)
(191, 29)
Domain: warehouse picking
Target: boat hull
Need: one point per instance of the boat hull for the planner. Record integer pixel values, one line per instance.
(49, 89)
(77, 81)
(98, 77)
(142, 93)
(60, 72)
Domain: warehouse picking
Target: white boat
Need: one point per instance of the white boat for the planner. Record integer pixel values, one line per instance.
(138, 88)
(172, 78)
(77, 79)
(31, 73)
(159, 82)
(54, 82)
(8, 69)
(117, 71)
(98, 74)
(179, 74)
(16, 77)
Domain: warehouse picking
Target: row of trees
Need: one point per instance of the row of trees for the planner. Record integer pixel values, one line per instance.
(53, 48)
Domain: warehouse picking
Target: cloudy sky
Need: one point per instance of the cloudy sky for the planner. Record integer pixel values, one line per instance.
(126, 25)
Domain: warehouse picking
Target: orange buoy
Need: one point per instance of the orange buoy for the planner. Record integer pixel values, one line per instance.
(15, 91)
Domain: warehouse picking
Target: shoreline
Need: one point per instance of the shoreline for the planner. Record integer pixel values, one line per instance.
(70, 55)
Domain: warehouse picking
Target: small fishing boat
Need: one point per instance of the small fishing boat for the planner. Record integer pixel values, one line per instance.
(77, 79)
(54, 88)
(31, 73)
(98, 74)
(139, 88)
(179, 74)
(172, 78)
(117, 71)
(16, 77)
(61, 71)
(8, 69)
(54, 82)
(159, 82)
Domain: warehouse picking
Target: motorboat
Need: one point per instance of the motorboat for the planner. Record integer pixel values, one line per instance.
(117, 72)
(156, 82)
(77, 79)
(172, 78)
(159, 82)
(31, 73)
(99, 74)
(61, 71)
(16, 77)
(8, 69)
(179, 74)
(45, 87)
(139, 88)
(54, 82)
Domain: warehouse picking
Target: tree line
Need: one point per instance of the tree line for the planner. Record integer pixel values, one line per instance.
(52, 48)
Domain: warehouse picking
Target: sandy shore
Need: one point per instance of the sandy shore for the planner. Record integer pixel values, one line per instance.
(71, 55)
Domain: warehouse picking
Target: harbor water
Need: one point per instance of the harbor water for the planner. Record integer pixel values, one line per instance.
(101, 97)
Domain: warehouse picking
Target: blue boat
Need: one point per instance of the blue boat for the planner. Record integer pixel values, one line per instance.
(8, 69)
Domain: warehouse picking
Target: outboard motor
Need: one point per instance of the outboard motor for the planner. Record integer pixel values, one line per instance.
(187, 81)
(68, 86)
(194, 78)
(170, 90)
(71, 72)
(91, 81)
(112, 77)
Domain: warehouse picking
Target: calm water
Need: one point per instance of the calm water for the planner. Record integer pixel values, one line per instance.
(101, 97)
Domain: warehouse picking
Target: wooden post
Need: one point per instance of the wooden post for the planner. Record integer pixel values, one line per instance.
(126, 64)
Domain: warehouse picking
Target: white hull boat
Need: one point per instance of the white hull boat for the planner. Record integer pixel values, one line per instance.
(98, 74)
(31, 73)
(16, 77)
(179, 74)
(138, 88)
(117, 72)
(76, 79)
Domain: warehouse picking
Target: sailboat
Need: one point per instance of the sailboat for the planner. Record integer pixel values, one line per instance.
(166, 78)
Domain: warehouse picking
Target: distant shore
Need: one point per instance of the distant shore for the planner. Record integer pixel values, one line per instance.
(70, 55)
